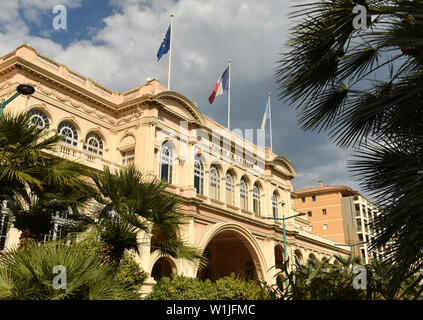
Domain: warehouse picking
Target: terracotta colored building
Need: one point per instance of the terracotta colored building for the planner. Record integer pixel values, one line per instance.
(340, 214)
(228, 185)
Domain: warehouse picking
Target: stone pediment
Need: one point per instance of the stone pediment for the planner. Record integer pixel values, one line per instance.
(180, 106)
(283, 165)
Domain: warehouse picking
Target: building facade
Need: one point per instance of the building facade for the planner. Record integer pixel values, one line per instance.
(340, 214)
(228, 185)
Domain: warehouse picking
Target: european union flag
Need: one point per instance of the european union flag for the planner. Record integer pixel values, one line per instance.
(164, 47)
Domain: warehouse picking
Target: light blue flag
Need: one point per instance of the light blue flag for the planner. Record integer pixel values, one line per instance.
(265, 116)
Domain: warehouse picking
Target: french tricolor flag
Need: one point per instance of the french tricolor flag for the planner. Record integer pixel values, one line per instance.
(221, 85)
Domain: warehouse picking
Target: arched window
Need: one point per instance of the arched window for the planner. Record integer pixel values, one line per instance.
(256, 199)
(166, 163)
(230, 189)
(199, 176)
(69, 132)
(94, 144)
(39, 119)
(128, 157)
(214, 183)
(243, 194)
(275, 205)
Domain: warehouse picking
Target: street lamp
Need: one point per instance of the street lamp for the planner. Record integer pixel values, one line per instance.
(284, 240)
(24, 89)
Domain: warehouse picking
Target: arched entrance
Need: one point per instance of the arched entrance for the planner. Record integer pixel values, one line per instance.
(228, 253)
(162, 268)
(278, 257)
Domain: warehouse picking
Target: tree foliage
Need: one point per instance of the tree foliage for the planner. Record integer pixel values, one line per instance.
(226, 288)
(27, 274)
(365, 88)
(35, 183)
(128, 204)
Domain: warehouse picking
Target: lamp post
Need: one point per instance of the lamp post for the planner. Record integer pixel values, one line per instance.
(284, 240)
(349, 245)
(24, 89)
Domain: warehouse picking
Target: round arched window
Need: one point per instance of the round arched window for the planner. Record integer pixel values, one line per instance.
(67, 130)
(275, 205)
(94, 144)
(199, 176)
(39, 119)
(166, 163)
(214, 183)
(256, 199)
(243, 194)
(230, 189)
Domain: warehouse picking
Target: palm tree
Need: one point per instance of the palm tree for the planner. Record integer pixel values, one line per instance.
(27, 274)
(128, 204)
(33, 181)
(365, 88)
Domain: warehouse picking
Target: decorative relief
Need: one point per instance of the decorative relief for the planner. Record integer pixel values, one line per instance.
(5, 84)
(134, 115)
(66, 99)
(61, 97)
(47, 92)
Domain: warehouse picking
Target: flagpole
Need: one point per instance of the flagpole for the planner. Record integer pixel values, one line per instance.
(170, 52)
(229, 95)
(270, 118)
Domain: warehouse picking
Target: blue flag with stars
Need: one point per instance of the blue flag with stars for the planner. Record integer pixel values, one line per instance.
(164, 47)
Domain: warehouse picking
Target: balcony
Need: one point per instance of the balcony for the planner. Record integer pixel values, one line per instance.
(84, 157)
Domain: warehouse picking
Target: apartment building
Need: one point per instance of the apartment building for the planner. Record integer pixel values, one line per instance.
(340, 214)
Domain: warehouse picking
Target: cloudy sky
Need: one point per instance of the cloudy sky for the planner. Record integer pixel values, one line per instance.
(115, 42)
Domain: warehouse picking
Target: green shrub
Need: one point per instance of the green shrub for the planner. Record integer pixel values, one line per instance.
(27, 274)
(227, 288)
(129, 272)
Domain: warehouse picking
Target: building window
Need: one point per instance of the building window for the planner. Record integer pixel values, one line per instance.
(310, 228)
(128, 157)
(309, 214)
(275, 205)
(324, 212)
(243, 193)
(94, 144)
(39, 119)
(256, 199)
(166, 163)
(303, 199)
(230, 189)
(199, 176)
(214, 183)
(313, 198)
(325, 227)
(69, 132)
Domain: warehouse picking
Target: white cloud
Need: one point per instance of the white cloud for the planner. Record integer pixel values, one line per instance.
(206, 34)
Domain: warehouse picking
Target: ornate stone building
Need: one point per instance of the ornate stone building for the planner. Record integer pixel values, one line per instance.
(229, 186)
